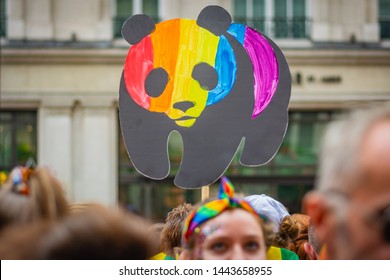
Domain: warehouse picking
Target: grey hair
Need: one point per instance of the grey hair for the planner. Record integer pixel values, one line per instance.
(312, 238)
(341, 143)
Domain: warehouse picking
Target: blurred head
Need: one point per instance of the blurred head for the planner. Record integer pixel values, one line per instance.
(293, 234)
(173, 228)
(268, 207)
(350, 208)
(226, 228)
(97, 233)
(76, 208)
(31, 195)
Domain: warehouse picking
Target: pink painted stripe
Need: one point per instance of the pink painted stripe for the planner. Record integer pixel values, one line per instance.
(265, 68)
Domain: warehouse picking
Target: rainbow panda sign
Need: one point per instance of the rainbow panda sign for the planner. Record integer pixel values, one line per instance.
(215, 82)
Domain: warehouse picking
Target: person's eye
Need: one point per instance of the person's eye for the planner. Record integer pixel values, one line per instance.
(252, 246)
(218, 247)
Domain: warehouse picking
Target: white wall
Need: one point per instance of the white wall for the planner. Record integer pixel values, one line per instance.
(95, 154)
(80, 145)
(60, 20)
(55, 143)
(345, 20)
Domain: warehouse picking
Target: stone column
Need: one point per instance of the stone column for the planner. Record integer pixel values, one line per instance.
(95, 153)
(16, 29)
(371, 25)
(39, 24)
(55, 142)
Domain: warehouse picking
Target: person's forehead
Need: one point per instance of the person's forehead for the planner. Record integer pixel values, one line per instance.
(374, 153)
(377, 136)
(234, 218)
(237, 213)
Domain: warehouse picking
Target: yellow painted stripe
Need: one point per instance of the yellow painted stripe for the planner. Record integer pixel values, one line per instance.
(196, 45)
(165, 40)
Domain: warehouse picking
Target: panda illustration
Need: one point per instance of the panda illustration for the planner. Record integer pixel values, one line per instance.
(215, 82)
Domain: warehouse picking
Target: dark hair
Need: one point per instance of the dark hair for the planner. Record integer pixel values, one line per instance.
(313, 238)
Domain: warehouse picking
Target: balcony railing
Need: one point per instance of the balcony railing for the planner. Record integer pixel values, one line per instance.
(296, 28)
(118, 22)
(384, 23)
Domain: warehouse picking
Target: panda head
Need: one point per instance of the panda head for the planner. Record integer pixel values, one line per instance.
(179, 67)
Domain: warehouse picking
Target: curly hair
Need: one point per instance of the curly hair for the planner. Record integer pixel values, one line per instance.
(172, 230)
(293, 234)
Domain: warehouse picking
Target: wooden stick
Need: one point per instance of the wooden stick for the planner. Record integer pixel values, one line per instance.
(205, 192)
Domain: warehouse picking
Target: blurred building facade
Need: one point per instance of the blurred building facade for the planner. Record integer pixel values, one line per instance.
(61, 62)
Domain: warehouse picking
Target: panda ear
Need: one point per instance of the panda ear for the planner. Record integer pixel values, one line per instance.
(215, 19)
(137, 27)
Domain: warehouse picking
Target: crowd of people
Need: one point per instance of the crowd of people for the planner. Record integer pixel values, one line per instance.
(346, 216)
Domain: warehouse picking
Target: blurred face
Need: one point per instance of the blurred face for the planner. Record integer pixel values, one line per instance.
(357, 226)
(233, 235)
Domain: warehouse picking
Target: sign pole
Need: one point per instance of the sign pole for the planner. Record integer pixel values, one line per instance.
(205, 192)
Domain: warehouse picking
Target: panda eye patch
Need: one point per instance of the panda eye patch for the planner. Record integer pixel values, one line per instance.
(205, 75)
(156, 81)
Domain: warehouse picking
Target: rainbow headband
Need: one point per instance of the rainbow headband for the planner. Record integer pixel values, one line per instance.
(214, 208)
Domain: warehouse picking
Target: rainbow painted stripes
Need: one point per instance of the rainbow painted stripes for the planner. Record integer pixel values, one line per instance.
(177, 46)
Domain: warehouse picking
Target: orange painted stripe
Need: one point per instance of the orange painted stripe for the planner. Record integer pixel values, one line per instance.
(165, 41)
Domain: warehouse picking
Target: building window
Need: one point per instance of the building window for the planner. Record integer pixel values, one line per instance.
(287, 177)
(18, 138)
(384, 18)
(290, 19)
(3, 20)
(126, 8)
(250, 13)
(279, 18)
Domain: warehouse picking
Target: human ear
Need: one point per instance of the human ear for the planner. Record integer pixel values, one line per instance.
(310, 252)
(315, 206)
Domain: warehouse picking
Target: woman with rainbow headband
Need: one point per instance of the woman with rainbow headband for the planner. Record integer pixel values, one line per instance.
(225, 228)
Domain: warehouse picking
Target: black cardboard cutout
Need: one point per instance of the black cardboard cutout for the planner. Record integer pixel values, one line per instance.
(210, 144)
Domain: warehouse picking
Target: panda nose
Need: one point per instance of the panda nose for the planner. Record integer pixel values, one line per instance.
(183, 105)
